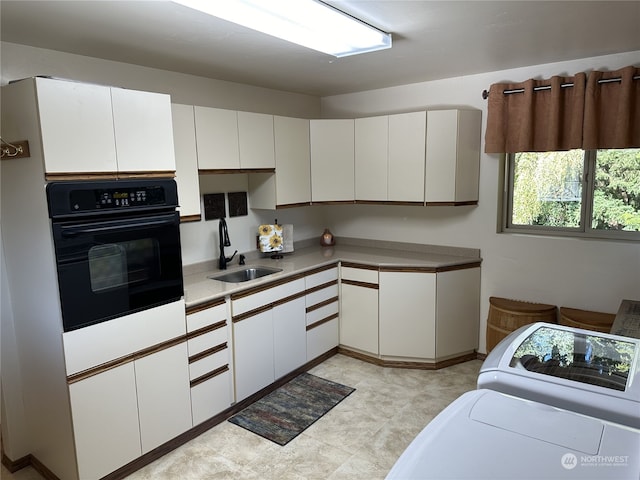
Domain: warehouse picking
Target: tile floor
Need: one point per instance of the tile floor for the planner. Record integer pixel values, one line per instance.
(360, 438)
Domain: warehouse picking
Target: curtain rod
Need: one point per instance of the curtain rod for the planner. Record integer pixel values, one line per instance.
(485, 93)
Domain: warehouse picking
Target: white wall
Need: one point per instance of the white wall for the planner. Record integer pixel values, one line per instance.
(587, 274)
(20, 61)
(200, 239)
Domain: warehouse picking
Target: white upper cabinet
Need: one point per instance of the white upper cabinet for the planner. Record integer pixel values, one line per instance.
(453, 156)
(371, 158)
(407, 135)
(389, 157)
(76, 122)
(217, 138)
(94, 129)
(231, 140)
(143, 131)
(332, 160)
(184, 140)
(255, 139)
(291, 183)
(293, 160)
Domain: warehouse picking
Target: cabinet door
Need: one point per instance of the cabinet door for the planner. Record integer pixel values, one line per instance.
(293, 160)
(253, 353)
(255, 140)
(184, 141)
(217, 138)
(143, 131)
(371, 154)
(164, 401)
(105, 421)
(407, 314)
(407, 132)
(289, 336)
(359, 318)
(332, 160)
(453, 156)
(359, 309)
(458, 312)
(76, 120)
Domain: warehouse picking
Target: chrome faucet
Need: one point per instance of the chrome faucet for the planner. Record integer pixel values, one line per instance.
(223, 233)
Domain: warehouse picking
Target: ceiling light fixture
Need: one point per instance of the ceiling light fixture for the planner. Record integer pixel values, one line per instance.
(310, 23)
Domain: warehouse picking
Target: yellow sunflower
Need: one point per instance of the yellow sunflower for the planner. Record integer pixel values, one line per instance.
(275, 242)
(265, 230)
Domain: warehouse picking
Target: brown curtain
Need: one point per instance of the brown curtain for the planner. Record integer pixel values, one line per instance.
(536, 121)
(612, 110)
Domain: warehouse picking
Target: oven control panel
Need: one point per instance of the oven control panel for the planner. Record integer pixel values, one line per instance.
(71, 198)
(118, 198)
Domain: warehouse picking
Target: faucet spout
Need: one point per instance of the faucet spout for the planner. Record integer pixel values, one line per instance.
(223, 234)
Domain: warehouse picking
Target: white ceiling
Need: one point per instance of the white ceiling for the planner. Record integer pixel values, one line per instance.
(431, 39)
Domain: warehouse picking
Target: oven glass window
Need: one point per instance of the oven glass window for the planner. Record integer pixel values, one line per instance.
(116, 265)
(579, 357)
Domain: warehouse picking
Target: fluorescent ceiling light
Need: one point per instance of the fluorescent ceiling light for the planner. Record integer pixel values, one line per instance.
(309, 23)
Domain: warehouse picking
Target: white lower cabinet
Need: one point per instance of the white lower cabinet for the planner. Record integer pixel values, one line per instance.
(322, 311)
(129, 410)
(457, 312)
(254, 355)
(269, 334)
(432, 315)
(289, 335)
(164, 403)
(359, 308)
(105, 421)
(407, 314)
(210, 373)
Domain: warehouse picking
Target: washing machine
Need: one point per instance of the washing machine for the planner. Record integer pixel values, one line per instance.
(582, 371)
(486, 434)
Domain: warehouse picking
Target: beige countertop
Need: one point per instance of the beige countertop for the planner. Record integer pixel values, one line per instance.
(198, 288)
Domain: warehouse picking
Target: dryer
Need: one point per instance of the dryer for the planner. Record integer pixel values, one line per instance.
(486, 434)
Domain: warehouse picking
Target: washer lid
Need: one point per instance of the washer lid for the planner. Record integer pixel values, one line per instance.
(541, 422)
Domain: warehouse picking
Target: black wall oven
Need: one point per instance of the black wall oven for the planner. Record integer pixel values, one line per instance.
(117, 246)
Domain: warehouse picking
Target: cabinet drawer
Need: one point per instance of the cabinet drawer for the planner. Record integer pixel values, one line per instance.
(321, 313)
(206, 317)
(266, 297)
(322, 338)
(207, 340)
(360, 274)
(211, 397)
(319, 278)
(209, 363)
(321, 295)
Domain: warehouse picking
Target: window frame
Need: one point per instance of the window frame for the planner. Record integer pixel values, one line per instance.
(586, 207)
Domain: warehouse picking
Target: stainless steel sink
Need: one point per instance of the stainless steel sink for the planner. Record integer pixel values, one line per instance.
(244, 275)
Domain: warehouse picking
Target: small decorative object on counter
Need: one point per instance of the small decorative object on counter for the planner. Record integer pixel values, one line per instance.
(270, 239)
(327, 240)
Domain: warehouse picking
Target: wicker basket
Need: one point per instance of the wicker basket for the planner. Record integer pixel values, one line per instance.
(507, 315)
(597, 321)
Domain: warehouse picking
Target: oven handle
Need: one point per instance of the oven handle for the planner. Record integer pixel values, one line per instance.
(84, 230)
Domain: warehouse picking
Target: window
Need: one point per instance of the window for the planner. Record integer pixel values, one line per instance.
(592, 193)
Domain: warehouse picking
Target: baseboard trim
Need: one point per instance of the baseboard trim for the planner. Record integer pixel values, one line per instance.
(15, 465)
(28, 461)
(381, 362)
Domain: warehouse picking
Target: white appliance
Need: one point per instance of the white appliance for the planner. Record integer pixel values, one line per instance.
(553, 402)
(490, 435)
(582, 371)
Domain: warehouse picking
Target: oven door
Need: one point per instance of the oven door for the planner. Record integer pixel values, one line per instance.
(110, 268)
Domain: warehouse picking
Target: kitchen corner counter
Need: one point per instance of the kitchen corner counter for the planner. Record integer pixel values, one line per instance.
(200, 289)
